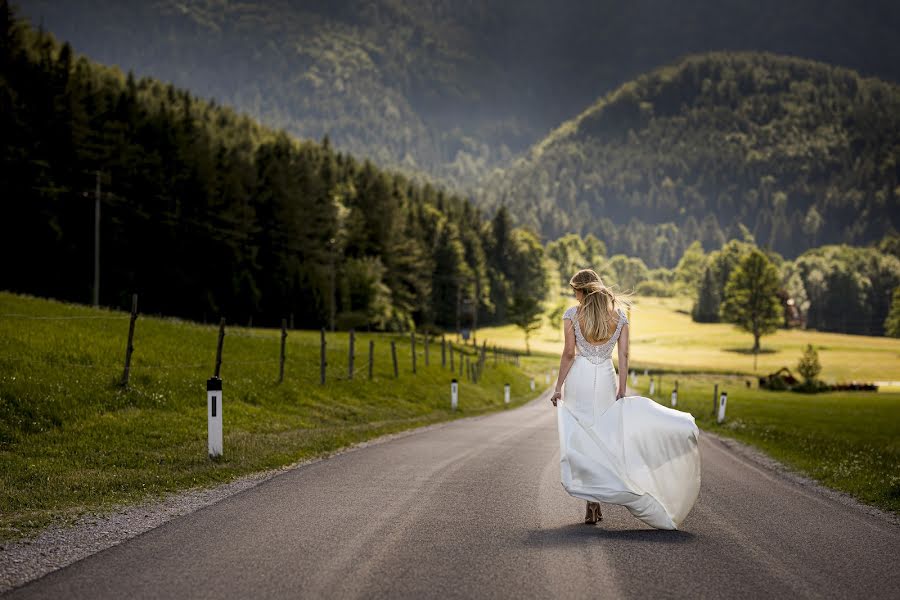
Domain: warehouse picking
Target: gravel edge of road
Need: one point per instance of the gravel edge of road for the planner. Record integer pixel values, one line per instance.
(59, 546)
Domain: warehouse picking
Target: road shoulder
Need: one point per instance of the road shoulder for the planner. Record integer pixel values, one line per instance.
(761, 459)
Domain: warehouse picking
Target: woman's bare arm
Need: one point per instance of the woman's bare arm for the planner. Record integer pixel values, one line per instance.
(565, 360)
(623, 361)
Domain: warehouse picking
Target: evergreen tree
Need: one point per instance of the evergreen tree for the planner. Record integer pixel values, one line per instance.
(892, 323)
(706, 307)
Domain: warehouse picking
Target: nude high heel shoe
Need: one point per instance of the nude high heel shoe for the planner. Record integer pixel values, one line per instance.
(593, 514)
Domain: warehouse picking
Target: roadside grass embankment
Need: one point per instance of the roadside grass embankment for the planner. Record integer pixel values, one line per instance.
(73, 441)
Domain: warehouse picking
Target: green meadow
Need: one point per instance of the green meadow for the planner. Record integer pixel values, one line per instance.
(73, 441)
(663, 336)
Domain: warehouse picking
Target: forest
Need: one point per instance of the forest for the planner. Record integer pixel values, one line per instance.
(839, 288)
(799, 152)
(205, 213)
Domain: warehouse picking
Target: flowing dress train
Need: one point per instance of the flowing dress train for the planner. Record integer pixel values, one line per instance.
(634, 451)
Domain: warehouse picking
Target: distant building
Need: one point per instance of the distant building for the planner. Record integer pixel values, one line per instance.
(793, 316)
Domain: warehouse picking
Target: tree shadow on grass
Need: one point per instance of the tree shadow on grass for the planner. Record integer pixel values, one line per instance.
(580, 533)
(749, 351)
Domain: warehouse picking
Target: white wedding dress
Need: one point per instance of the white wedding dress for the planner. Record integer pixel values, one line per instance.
(633, 451)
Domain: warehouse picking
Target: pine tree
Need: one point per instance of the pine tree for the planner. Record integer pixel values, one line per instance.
(892, 323)
(706, 308)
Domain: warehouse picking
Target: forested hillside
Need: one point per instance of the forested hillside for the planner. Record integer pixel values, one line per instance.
(452, 88)
(799, 152)
(206, 213)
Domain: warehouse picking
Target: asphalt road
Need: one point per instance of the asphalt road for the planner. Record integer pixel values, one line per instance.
(475, 509)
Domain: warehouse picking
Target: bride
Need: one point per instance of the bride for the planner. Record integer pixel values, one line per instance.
(614, 448)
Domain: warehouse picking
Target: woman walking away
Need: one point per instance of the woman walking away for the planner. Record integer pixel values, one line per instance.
(614, 448)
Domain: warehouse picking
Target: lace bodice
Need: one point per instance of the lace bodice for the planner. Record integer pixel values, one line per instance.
(596, 353)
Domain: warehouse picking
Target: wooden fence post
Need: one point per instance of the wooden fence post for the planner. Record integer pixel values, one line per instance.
(129, 348)
(715, 399)
(371, 357)
(350, 355)
(219, 346)
(452, 366)
(394, 357)
(427, 360)
(283, 339)
(443, 352)
(412, 346)
(322, 361)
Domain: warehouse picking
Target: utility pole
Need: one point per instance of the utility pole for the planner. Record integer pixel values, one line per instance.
(333, 286)
(475, 316)
(458, 307)
(97, 243)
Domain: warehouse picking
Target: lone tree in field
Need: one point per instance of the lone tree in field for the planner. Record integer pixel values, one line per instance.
(809, 366)
(750, 298)
(525, 312)
(529, 285)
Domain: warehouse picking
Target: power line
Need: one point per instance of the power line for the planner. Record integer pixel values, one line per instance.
(31, 317)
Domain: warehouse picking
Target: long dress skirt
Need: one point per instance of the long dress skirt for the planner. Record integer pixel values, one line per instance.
(634, 451)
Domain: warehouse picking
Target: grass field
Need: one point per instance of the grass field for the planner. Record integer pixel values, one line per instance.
(72, 441)
(663, 336)
(848, 441)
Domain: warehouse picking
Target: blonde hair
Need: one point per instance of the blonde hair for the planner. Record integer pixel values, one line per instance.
(598, 306)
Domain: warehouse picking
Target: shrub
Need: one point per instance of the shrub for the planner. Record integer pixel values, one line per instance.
(809, 366)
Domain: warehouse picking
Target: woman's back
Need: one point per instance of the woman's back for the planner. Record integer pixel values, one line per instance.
(595, 351)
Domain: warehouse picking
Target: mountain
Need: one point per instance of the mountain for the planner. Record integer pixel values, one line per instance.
(453, 88)
(794, 152)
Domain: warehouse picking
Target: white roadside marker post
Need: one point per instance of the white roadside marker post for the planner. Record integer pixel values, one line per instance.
(454, 394)
(723, 400)
(633, 378)
(547, 378)
(532, 384)
(675, 394)
(506, 393)
(214, 415)
(652, 386)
